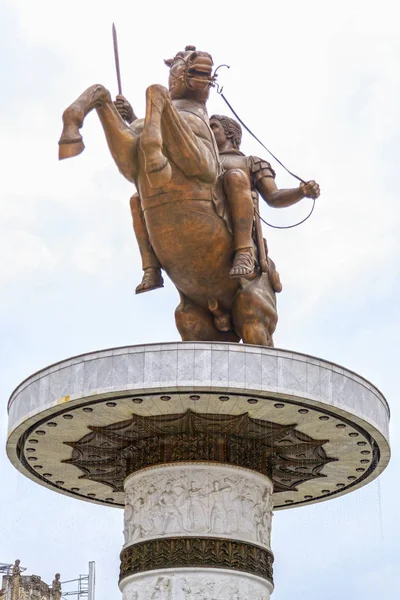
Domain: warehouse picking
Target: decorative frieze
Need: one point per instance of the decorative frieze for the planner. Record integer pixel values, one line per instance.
(193, 500)
(191, 584)
(196, 552)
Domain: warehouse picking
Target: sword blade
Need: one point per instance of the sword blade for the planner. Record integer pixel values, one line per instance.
(116, 57)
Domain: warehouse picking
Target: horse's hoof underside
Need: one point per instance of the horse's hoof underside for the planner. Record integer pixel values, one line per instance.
(70, 149)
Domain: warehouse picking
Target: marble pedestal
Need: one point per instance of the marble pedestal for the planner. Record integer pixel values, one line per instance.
(216, 519)
(197, 442)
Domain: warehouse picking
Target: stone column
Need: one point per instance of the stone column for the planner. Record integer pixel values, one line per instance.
(197, 531)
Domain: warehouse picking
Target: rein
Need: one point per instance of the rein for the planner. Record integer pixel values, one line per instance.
(220, 92)
(212, 83)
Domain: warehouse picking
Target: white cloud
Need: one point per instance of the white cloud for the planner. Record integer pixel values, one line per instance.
(22, 254)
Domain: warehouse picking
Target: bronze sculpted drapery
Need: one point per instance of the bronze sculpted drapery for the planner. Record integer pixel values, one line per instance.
(194, 218)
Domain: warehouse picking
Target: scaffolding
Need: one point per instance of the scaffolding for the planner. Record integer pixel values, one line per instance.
(85, 585)
(6, 568)
(83, 590)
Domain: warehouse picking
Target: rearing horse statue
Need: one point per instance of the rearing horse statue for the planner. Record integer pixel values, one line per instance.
(172, 158)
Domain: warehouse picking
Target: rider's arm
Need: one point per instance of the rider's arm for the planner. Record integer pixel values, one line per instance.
(276, 197)
(263, 179)
(125, 109)
(282, 198)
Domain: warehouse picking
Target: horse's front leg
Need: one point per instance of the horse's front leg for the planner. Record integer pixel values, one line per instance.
(71, 142)
(157, 166)
(120, 138)
(189, 145)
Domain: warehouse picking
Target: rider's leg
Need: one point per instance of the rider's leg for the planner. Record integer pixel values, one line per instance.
(238, 193)
(152, 277)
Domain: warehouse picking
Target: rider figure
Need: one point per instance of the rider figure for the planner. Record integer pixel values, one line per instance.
(243, 177)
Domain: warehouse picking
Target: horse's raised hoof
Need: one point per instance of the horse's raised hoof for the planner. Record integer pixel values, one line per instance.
(244, 265)
(71, 143)
(70, 149)
(152, 279)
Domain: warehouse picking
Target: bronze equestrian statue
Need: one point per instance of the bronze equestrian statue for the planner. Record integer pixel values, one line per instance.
(196, 215)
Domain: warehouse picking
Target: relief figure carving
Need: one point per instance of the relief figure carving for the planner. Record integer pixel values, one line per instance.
(197, 586)
(162, 589)
(198, 502)
(219, 511)
(196, 509)
(171, 500)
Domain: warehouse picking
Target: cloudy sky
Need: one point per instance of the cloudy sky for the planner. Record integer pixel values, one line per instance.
(320, 84)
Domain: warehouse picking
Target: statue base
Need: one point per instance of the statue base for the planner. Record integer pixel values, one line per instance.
(198, 442)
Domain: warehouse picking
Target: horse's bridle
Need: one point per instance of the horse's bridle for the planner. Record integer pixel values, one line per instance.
(184, 75)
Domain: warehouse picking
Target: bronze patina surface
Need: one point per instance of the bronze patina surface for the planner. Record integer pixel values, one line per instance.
(193, 216)
(109, 454)
(207, 552)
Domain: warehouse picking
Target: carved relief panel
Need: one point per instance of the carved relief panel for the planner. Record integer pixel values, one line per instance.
(209, 585)
(198, 500)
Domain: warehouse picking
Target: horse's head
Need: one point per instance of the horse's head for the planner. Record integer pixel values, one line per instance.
(190, 74)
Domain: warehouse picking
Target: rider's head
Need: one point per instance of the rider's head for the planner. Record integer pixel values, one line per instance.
(231, 128)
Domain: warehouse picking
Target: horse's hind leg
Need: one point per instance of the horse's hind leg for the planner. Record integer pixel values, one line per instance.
(254, 312)
(197, 325)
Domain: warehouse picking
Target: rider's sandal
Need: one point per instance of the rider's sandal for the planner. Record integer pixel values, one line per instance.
(244, 265)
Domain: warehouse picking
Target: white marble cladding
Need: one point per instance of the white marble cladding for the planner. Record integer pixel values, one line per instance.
(194, 500)
(199, 366)
(195, 584)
